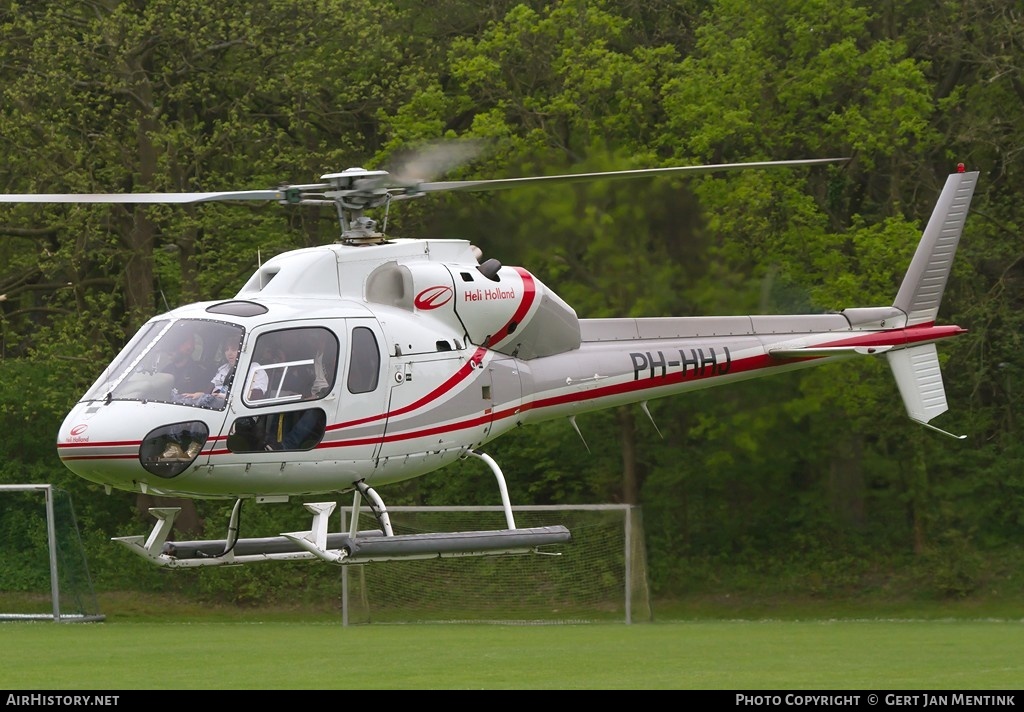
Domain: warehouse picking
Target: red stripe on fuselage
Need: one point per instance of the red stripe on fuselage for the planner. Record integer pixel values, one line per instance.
(529, 296)
(460, 375)
(918, 334)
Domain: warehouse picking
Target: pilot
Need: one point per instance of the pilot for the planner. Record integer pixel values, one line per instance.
(181, 364)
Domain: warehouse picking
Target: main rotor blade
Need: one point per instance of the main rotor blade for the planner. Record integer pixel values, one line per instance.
(129, 198)
(502, 183)
(359, 188)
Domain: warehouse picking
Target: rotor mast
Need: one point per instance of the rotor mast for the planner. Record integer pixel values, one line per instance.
(351, 192)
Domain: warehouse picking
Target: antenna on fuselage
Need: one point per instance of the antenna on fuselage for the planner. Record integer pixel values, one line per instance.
(572, 419)
(650, 417)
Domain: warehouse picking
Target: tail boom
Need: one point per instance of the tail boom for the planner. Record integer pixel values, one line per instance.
(632, 360)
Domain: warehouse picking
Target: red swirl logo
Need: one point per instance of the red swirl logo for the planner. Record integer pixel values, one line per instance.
(433, 297)
(78, 430)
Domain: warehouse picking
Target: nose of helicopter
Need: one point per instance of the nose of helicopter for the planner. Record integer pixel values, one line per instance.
(130, 445)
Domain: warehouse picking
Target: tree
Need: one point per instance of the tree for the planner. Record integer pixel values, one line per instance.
(564, 86)
(159, 95)
(169, 96)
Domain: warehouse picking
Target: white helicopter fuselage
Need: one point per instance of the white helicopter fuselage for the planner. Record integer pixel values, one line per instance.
(459, 365)
(425, 354)
(431, 396)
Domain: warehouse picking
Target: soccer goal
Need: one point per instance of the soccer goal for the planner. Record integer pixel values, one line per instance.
(600, 575)
(44, 573)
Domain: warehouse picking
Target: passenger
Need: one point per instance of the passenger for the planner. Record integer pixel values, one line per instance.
(307, 431)
(220, 384)
(309, 428)
(319, 346)
(272, 355)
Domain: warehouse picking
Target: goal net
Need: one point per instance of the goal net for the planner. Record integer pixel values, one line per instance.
(600, 575)
(44, 574)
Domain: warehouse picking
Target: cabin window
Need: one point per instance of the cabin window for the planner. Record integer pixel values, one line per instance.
(364, 367)
(284, 430)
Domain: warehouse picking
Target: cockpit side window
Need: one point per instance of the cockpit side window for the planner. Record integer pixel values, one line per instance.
(299, 364)
(295, 365)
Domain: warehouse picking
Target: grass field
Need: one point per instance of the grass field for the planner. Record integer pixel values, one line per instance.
(254, 650)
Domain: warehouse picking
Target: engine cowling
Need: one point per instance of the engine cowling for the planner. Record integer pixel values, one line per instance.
(503, 308)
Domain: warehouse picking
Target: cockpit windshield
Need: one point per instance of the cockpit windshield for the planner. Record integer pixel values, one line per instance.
(186, 361)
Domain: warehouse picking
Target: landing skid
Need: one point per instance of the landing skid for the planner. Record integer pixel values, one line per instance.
(352, 547)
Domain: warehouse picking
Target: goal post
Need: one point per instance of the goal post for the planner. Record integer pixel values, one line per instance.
(44, 574)
(600, 575)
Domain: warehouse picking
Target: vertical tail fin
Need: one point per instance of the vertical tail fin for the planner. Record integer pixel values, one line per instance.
(916, 369)
(921, 292)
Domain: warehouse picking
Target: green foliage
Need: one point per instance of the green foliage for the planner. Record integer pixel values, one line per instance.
(820, 467)
(955, 566)
(24, 542)
(803, 77)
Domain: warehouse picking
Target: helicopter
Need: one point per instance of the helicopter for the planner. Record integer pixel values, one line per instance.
(350, 366)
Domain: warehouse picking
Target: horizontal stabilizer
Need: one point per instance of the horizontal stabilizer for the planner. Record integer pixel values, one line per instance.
(819, 351)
